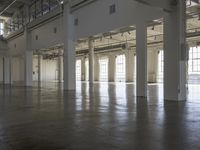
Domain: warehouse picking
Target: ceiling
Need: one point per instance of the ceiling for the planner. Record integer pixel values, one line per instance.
(118, 36)
(17, 4)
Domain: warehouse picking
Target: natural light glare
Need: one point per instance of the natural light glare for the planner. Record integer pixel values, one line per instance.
(120, 68)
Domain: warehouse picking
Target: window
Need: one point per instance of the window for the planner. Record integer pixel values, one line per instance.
(38, 8)
(135, 67)
(1, 28)
(160, 66)
(120, 68)
(112, 9)
(194, 65)
(45, 6)
(78, 70)
(53, 4)
(41, 7)
(103, 75)
(32, 12)
(86, 69)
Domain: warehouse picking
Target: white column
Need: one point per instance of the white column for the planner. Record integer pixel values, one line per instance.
(129, 65)
(69, 50)
(175, 53)
(60, 64)
(28, 68)
(96, 68)
(91, 60)
(111, 68)
(141, 51)
(7, 70)
(28, 60)
(83, 68)
(39, 67)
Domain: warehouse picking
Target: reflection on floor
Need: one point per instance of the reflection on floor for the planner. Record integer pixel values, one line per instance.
(103, 116)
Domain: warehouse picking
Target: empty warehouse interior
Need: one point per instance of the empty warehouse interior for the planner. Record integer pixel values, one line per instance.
(99, 74)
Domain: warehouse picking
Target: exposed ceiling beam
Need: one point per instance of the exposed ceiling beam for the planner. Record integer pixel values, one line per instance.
(7, 14)
(27, 2)
(166, 5)
(7, 7)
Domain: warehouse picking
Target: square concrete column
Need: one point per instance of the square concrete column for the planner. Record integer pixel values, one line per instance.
(175, 53)
(141, 52)
(39, 67)
(69, 50)
(129, 65)
(28, 60)
(96, 68)
(7, 70)
(91, 60)
(28, 68)
(111, 68)
(83, 68)
(60, 66)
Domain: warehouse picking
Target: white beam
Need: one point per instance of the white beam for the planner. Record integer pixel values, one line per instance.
(166, 5)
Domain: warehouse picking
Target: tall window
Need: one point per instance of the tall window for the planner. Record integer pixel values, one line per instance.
(1, 28)
(86, 69)
(120, 68)
(78, 70)
(194, 65)
(103, 63)
(160, 66)
(135, 68)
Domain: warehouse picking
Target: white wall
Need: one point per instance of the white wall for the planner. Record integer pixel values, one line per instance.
(46, 35)
(152, 65)
(92, 19)
(17, 45)
(17, 69)
(95, 18)
(49, 69)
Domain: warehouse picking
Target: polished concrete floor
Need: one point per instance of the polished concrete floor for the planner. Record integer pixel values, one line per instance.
(102, 117)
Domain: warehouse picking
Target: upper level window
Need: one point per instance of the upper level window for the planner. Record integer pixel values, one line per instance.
(41, 7)
(1, 28)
